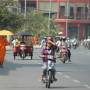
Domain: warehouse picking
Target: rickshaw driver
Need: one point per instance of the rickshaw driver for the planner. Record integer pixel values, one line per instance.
(22, 45)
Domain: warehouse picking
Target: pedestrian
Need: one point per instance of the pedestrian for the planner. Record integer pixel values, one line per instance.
(15, 42)
(69, 54)
(3, 44)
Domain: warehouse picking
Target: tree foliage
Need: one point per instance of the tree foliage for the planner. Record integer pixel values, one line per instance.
(37, 24)
(34, 22)
(9, 20)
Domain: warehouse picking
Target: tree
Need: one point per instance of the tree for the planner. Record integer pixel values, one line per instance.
(34, 22)
(9, 20)
(37, 24)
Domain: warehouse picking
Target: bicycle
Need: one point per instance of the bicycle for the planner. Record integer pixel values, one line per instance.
(49, 75)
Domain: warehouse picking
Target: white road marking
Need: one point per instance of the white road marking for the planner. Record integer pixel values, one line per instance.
(66, 76)
(76, 81)
(87, 86)
(39, 63)
(60, 73)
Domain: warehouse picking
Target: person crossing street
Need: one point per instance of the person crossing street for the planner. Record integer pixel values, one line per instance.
(3, 44)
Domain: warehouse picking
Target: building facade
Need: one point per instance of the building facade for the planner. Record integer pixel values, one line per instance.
(72, 16)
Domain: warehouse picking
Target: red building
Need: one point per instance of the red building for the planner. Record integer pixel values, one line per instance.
(72, 16)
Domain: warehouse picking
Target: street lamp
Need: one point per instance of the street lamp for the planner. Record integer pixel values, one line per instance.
(67, 18)
(78, 31)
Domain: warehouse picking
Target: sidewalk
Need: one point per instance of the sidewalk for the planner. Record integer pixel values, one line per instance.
(36, 46)
(10, 47)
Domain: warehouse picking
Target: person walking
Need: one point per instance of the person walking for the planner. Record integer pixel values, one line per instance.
(3, 44)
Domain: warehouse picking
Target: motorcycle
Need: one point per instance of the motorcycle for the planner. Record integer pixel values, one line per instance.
(23, 51)
(64, 55)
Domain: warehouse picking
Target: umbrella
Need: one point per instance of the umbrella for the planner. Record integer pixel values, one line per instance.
(6, 32)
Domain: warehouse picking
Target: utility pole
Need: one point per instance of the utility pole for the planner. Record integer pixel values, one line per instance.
(67, 18)
(78, 31)
(50, 5)
(25, 8)
(25, 11)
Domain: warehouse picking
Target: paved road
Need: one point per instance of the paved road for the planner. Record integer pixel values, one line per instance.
(26, 74)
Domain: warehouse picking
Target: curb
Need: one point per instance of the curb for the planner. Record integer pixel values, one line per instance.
(10, 47)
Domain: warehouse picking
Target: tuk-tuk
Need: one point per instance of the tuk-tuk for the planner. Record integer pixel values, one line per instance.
(25, 47)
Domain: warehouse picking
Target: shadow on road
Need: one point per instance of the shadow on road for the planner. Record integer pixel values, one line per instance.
(11, 66)
(66, 87)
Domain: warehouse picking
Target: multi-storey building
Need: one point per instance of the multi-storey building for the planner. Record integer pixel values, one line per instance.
(72, 16)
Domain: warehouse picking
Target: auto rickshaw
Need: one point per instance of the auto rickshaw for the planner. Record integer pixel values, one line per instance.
(25, 47)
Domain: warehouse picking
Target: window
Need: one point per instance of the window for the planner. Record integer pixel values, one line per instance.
(62, 11)
(79, 10)
(71, 12)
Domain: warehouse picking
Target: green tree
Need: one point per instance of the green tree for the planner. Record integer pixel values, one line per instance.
(9, 20)
(34, 22)
(37, 24)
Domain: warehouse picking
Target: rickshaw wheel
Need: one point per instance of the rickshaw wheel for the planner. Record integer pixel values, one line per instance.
(31, 57)
(14, 56)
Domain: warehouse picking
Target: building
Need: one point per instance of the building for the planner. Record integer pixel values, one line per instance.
(72, 16)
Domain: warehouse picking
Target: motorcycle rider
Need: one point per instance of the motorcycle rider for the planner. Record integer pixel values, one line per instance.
(64, 48)
(48, 56)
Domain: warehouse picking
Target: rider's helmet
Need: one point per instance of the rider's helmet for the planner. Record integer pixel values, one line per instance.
(63, 38)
